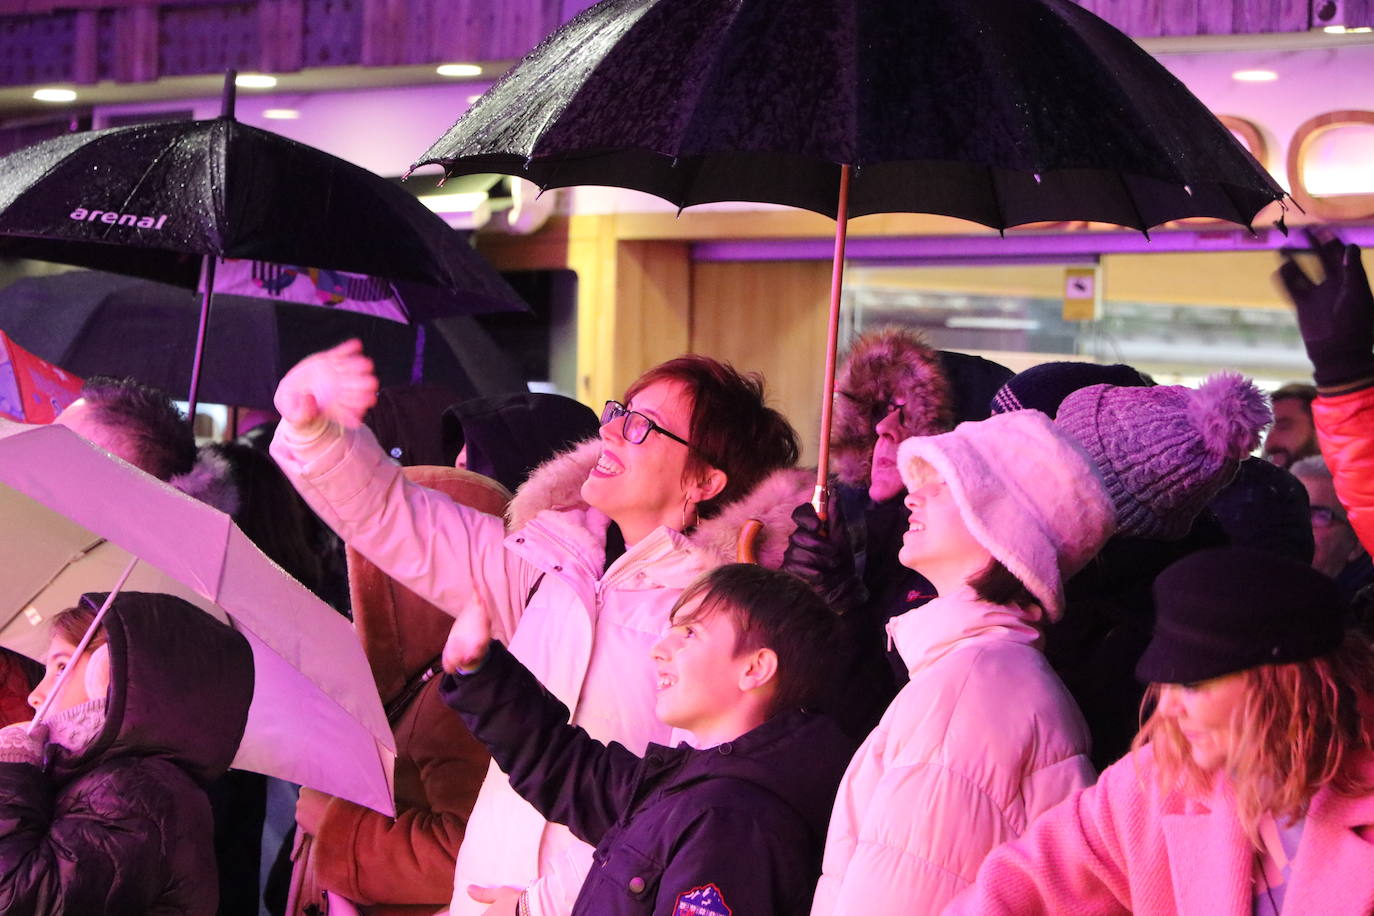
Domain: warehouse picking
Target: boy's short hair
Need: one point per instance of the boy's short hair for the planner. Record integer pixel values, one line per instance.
(772, 610)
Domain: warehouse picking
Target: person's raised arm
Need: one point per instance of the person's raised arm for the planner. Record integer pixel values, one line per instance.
(569, 777)
(444, 552)
(1336, 318)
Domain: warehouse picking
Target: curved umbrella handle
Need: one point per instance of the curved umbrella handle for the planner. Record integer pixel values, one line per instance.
(747, 547)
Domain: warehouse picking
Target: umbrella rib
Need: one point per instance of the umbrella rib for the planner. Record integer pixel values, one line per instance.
(997, 201)
(1130, 199)
(156, 160)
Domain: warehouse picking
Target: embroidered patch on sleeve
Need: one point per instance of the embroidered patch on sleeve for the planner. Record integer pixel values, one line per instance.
(702, 901)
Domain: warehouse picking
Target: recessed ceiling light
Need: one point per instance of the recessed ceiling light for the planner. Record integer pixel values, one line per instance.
(1255, 76)
(458, 70)
(52, 94)
(281, 114)
(464, 202)
(255, 81)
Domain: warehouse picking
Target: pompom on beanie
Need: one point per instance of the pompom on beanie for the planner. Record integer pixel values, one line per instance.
(1164, 452)
(1026, 492)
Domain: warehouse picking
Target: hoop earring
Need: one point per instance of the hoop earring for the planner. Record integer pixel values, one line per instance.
(686, 505)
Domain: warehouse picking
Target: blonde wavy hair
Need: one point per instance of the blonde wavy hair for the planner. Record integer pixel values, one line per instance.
(1297, 732)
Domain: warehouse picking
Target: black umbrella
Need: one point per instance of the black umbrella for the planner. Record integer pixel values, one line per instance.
(165, 200)
(1002, 112)
(96, 323)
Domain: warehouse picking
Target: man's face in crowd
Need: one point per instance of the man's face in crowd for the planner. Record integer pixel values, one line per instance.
(1292, 436)
(1336, 544)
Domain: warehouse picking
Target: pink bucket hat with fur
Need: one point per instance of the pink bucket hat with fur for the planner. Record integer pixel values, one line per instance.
(1026, 492)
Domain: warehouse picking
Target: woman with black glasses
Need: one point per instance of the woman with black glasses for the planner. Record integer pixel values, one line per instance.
(599, 543)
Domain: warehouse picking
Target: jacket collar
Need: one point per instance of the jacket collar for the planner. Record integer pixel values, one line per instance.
(930, 632)
(1338, 869)
(1212, 862)
(556, 486)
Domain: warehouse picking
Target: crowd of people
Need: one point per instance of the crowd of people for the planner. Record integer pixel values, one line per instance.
(1058, 644)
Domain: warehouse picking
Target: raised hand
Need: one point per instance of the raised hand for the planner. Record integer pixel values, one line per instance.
(468, 639)
(336, 384)
(1335, 316)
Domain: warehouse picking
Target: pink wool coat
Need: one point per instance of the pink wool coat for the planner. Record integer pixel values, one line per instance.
(1122, 846)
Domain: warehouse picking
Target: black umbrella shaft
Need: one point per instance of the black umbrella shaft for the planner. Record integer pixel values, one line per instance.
(209, 279)
(226, 106)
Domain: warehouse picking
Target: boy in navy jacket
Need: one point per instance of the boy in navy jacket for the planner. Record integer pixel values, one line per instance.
(731, 827)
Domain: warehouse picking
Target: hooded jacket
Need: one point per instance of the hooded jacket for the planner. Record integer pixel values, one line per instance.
(123, 826)
(1345, 430)
(509, 435)
(1124, 846)
(582, 625)
(982, 739)
(733, 828)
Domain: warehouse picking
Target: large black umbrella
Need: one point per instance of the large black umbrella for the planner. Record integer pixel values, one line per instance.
(165, 200)
(96, 323)
(1002, 112)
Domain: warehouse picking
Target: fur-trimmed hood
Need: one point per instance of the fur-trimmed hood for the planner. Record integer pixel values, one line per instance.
(883, 365)
(557, 485)
(210, 480)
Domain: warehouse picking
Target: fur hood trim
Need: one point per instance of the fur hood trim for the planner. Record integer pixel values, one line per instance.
(557, 485)
(883, 365)
(211, 481)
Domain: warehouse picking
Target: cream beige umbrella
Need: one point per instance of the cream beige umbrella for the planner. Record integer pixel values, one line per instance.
(71, 520)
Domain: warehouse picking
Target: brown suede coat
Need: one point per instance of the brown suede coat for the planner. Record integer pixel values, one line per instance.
(404, 867)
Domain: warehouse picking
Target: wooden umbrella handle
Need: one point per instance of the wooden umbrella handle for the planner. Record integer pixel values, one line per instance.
(832, 344)
(747, 547)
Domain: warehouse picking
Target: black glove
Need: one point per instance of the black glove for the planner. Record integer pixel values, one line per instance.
(820, 554)
(1335, 316)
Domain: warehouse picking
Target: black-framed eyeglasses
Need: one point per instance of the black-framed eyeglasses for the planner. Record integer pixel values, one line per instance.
(636, 427)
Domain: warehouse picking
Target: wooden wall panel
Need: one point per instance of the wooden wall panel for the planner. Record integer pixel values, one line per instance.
(770, 317)
(653, 306)
(290, 34)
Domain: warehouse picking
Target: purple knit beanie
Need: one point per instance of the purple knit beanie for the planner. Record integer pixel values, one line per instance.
(1164, 452)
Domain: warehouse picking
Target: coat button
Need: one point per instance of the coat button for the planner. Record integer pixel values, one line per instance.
(636, 885)
(558, 569)
(519, 540)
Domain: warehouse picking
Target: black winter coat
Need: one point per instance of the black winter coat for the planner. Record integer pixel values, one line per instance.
(737, 828)
(123, 828)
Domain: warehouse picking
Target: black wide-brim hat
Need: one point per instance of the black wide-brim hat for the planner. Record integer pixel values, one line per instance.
(1228, 609)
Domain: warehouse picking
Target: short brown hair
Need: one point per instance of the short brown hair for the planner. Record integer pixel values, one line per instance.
(732, 429)
(1296, 391)
(996, 584)
(161, 438)
(771, 610)
(73, 623)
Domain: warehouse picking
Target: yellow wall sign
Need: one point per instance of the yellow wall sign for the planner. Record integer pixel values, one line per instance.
(1080, 293)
